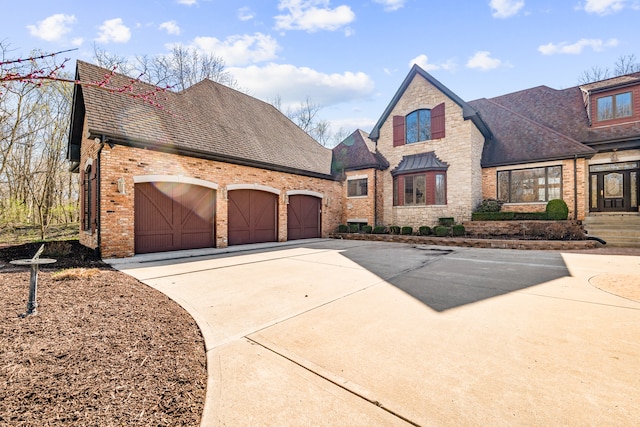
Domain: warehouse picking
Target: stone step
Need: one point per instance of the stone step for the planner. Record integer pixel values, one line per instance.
(620, 230)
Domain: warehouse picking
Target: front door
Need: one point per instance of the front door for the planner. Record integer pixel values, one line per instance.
(614, 189)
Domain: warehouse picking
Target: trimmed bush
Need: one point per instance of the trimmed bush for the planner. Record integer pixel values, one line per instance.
(446, 221)
(406, 231)
(490, 205)
(394, 229)
(354, 228)
(441, 230)
(557, 209)
(342, 228)
(379, 229)
(424, 230)
(367, 229)
(530, 216)
(509, 216)
(458, 230)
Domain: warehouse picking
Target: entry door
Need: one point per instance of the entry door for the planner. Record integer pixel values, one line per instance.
(614, 191)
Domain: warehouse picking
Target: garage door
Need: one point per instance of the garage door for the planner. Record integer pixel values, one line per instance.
(253, 217)
(303, 217)
(172, 216)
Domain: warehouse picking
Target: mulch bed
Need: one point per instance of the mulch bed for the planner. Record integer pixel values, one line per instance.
(103, 349)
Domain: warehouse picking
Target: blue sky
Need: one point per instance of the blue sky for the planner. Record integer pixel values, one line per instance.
(350, 56)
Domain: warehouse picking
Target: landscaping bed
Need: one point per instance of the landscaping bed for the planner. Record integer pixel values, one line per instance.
(104, 349)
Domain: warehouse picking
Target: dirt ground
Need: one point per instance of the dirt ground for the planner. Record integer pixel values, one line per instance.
(103, 349)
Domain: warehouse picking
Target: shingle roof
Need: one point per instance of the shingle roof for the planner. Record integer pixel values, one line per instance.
(208, 118)
(356, 152)
(542, 123)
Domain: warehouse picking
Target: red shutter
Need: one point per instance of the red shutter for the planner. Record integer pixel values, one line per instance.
(94, 198)
(398, 131)
(430, 184)
(437, 122)
(400, 190)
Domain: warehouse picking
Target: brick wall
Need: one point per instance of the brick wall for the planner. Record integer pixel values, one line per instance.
(362, 207)
(490, 191)
(117, 210)
(461, 149)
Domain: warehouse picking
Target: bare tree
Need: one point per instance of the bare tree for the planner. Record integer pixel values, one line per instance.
(624, 65)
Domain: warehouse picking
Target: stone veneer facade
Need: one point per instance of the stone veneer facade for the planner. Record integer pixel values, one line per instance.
(116, 209)
(461, 149)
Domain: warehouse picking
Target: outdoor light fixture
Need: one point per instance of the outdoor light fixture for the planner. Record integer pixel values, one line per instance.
(121, 187)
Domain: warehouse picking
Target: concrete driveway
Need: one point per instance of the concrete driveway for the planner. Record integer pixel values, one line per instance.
(353, 333)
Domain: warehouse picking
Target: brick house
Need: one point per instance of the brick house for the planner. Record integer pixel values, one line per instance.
(213, 167)
(446, 155)
(222, 168)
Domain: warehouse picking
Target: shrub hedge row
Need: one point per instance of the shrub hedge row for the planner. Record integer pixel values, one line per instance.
(438, 230)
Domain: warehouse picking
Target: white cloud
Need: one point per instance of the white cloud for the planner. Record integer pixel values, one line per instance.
(577, 47)
(245, 14)
(294, 84)
(53, 27)
(238, 50)
(423, 62)
(188, 2)
(307, 16)
(482, 60)
(77, 41)
(505, 8)
(391, 5)
(113, 30)
(604, 7)
(171, 27)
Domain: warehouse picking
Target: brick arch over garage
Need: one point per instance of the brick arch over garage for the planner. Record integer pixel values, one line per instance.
(173, 213)
(304, 214)
(252, 213)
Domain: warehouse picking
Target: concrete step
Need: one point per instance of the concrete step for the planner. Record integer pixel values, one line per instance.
(620, 230)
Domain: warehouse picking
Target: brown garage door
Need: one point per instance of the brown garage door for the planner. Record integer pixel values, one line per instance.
(303, 217)
(253, 217)
(172, 216)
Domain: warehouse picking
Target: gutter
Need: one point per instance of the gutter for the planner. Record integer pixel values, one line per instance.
(173, 149)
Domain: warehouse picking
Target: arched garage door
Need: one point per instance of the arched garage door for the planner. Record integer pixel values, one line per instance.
(253, 217)
(303, 217)
(172, 216)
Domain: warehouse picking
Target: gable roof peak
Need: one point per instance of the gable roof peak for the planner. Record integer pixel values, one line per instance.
(467, 111)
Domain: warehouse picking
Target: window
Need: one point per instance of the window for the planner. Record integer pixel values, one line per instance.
(421, 189)
(357, 187)
(530, 185)
(614, 106)
(419, 125)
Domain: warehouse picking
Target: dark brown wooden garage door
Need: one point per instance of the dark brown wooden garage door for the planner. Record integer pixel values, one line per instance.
(172, 216)
(303, 217)
(253, 217)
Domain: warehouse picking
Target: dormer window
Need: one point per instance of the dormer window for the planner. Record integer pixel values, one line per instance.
(614, 106)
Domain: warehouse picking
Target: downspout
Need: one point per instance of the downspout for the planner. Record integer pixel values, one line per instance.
(575, 186)
(97, 196)
(375, 197)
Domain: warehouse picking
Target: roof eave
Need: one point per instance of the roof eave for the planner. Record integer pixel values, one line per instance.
(129, 142)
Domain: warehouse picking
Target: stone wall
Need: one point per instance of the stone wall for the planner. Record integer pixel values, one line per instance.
(461, 149)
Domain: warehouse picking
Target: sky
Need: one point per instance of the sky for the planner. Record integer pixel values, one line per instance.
(348, 56)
